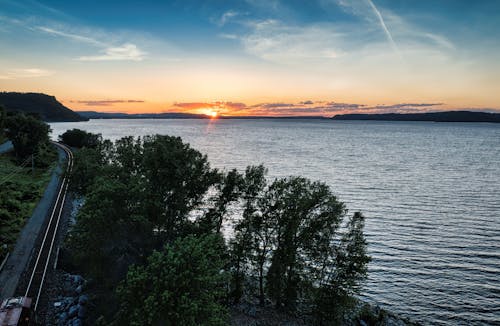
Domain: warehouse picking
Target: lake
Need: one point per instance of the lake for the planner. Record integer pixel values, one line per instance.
(430, 192)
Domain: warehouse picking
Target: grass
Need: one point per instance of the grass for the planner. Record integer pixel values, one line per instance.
(19, 195)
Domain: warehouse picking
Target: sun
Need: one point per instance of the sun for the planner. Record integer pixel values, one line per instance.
(213, 114)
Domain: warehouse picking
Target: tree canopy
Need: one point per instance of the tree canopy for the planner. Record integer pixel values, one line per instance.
(179, 285)
(152, 225)
(79, 138)
(29, 136)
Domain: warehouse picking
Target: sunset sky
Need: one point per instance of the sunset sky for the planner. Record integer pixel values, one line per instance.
(255, 57)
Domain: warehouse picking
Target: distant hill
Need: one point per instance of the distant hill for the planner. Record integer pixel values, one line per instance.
(46, 106)
(447, 116)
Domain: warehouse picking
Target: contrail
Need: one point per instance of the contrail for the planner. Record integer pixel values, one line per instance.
(384, 27)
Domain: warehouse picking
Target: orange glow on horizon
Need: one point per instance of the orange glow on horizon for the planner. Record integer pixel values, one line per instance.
(273, 108)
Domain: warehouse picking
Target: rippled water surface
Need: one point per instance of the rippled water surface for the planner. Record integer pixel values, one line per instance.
(430, 191)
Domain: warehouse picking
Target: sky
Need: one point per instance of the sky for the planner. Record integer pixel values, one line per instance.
(255, 57)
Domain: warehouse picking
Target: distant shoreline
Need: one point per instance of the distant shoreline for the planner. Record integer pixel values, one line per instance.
(447, 116)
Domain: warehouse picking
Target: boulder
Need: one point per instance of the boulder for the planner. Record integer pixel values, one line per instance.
(83, 299)
(62, 318)
(73, 311)
(82, 312)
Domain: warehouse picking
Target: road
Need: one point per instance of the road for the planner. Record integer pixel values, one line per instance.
(26, 241)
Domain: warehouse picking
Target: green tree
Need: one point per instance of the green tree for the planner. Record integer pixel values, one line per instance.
(88, 163)
(177, 178)
(228, 190)
(244, 243)
(79, 138)
(27, 134)
(110, 233)
(181, 285)
(342, 273)
(305, 216)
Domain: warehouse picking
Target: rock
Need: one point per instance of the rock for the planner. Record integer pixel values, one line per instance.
(77, 322)
(77, 279)
(68, 285)
(83, 299)
(62, 318)
(362, 323)
(82, 312)
(68, 302)
(73, 311)
(79, 289)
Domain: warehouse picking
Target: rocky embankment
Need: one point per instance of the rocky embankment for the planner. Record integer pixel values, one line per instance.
(70, 306)
(364, 314)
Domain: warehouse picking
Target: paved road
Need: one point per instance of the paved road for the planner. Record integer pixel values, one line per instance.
(19, 257)
(6, 147)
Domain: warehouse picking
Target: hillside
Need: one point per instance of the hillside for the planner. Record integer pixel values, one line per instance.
(46, 106)
(447, 116)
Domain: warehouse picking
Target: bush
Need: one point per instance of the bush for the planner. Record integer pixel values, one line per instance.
(27, 133)
(181, 285)
(79, 138)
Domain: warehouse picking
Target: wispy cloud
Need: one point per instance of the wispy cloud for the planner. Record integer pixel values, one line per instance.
(105, 102)
(218, 106)
(276, 41)
(71, 36)
(26, 73)
(112, 47)
(316, 108)
(342, 45)
(226, 17)
(126, 51)
(384, 26)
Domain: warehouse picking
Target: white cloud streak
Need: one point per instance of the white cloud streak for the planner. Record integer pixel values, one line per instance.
(111, 49)
(124, 52)
(71, 36)
(227, 16)
(384, 27)
(275, 41)
(26, 73)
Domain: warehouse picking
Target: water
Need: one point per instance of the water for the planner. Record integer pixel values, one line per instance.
(430, 191)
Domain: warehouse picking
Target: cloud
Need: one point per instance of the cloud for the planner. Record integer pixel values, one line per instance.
(440, 40)
(226, 17)
(71, 36)
(127, 51)
(229, 36)
(110, 51)
(384, 26)
(276, 41)
(26, 73)
(273, 105)
(218, 106)
(105, 102)
(304, 108)
(327, 108)
(348, 47)
(405, 106)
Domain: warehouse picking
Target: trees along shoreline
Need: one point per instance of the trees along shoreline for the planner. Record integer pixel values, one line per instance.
(154, 214)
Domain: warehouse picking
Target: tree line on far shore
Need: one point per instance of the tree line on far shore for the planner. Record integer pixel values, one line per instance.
(169, 240)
